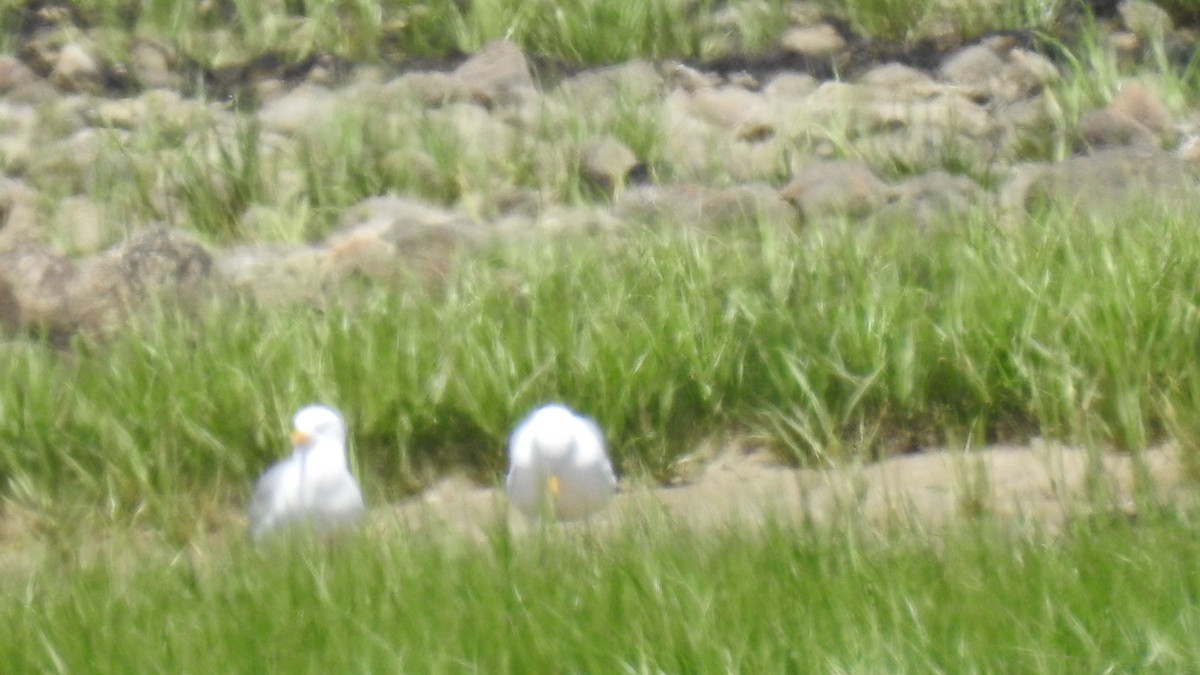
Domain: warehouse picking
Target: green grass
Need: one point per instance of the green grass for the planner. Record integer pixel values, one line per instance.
(220, 34)
(1104, 596)
(215, 35)
(835, 341)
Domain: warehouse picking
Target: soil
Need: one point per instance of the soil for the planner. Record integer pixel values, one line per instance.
(1041, 485)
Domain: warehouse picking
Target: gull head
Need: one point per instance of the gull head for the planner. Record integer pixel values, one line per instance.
(317, 424)
(553, 436)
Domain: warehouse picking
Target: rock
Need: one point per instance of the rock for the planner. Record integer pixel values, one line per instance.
(1104, 182)
(819, 40)
(14, 73)
(554, 219)
(82, 223)
(1026, 116)
(164, 108)
(606, 162)
(73, 162)
(475, 127)
(10, 309)
(830, 102)
(38, 279)
(1123, 42)
(36, 93)
(1145, 19)
(75, 69)
(429, 88)
(682, 76)
(790, 86)
(150, 64)
(1105, 129)
(995, 70)
(688, 142)
(1189, 151)
(634, 82)
(949, 112)
(1139, 102)
(19, 220)
(498, 74)
(702, 207)
(895, 76)
(736, 110)
(303, 108)
(387, 238)
(933, 198)
(1030, 71)
(835, 187)
(273, 274)
(974, 66)
(155, 268)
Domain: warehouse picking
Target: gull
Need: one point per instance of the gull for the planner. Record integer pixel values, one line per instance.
(558, 463)
(314, 486)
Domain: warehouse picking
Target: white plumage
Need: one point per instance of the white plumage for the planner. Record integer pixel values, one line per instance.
(558, 464)
(313, 487)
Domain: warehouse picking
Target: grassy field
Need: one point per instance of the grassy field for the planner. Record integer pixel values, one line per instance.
(1103, 596)
(839, 340)
(222, 34)
(828, 343)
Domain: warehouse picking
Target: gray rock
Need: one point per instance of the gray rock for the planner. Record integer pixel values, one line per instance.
(1189, 151)
(829, 103)
(688, 142)
(475, 126)
(790, 86)
(498, 74)
(974, 66)
(38, 279)
(36, 93)
(273, 274)
(932, 199)
(995, 70)
(73, 162)
(1141, 103)
(75, 69)
(1104, 182)
(701, 206)
(555, 219)
(895, 76)
(948, 112)
(1145, 19)
(682, 76)
(606, 162)
(19, 220)
(14, 73)
(305, 107)
(10, 309)
(835, 187)
(1030, 71)
(631, 82)
(1106, 129)
(150, 64)
(743, 113)
(819, 40)
(82, 224)
(155, 268)
(429, 88)
(391, 238)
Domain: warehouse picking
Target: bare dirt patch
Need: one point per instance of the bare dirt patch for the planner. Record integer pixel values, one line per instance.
(1042, 483)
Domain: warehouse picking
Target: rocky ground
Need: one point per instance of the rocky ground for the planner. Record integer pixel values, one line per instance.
(901, 137)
